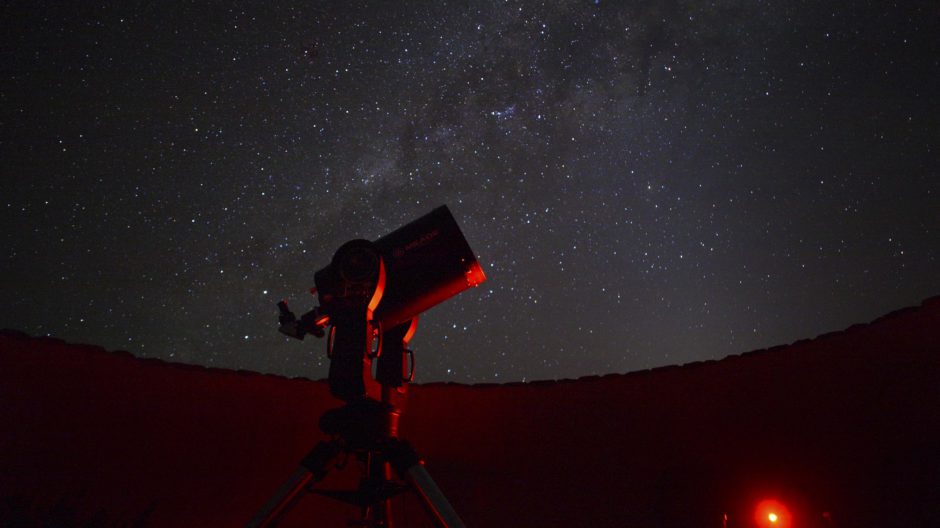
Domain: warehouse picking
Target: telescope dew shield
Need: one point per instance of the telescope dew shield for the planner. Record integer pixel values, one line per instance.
(426, 262)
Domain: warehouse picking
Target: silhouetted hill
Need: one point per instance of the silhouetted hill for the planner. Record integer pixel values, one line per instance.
(846, 424)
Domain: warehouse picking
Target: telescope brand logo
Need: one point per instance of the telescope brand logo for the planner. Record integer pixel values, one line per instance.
(423, 240)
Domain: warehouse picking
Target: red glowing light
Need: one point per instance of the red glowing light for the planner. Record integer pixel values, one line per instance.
(411, 330)
(379, 288)
(772, 513)
(475, 275)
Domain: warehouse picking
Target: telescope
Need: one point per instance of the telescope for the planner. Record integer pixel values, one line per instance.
(372, 288)
(371, 294)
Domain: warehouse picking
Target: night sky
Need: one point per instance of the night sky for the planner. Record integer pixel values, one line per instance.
(645, 183)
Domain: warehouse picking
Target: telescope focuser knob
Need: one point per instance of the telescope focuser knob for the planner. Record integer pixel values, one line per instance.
(290, 326)
(286, 316)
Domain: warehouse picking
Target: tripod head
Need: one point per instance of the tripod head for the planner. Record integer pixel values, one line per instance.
(371, 295)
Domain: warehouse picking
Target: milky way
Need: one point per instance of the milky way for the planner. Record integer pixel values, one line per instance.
(645, 184)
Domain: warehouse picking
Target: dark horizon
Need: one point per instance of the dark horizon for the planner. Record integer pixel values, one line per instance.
(644, 185)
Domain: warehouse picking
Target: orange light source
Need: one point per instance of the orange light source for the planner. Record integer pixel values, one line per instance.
(772, 513)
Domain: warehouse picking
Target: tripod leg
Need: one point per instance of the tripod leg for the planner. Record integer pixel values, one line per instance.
(410, 468)
(312, 469)
(379, 511)
(382, 511)
(387, 503)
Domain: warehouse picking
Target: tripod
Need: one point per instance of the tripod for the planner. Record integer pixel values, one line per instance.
(366, 428)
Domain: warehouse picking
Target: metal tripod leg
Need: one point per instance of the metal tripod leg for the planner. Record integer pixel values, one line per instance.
(379, 512)
(410, 468)
(313, 468)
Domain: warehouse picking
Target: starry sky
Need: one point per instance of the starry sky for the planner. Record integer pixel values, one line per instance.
(645, 183)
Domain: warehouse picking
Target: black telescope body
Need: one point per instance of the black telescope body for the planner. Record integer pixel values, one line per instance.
(425, 263)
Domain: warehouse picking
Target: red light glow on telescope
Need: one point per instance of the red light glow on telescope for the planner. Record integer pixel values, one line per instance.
(413, 325)
(475, 275)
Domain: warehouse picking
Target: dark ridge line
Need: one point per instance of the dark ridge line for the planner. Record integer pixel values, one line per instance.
(931, 303)
(928, 304)
(146, 361)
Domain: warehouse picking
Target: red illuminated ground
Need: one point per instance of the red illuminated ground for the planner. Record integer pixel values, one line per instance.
(842, 430)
